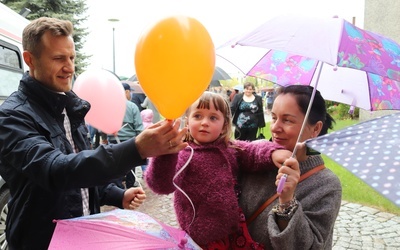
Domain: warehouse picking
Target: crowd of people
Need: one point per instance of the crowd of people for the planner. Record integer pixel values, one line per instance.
(227, 196)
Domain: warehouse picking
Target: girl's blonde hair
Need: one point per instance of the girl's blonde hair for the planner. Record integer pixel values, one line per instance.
(220, 104)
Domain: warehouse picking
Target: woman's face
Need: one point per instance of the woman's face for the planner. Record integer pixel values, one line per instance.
(287, 120)
(248, 91)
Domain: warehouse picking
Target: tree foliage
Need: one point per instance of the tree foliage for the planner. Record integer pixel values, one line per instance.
(72, 10)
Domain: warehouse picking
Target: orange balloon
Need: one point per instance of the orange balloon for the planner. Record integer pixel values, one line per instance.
(175, 62)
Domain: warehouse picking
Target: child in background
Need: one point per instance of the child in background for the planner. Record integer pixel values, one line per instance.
(147, 117)
(147, 120)
(206, 202)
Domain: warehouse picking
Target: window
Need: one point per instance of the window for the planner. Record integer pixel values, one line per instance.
(11, 68)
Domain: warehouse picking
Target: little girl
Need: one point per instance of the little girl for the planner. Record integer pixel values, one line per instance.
(206, 197)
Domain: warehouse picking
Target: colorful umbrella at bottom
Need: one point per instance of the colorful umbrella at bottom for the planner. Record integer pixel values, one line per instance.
(118, 229)
(370, 150)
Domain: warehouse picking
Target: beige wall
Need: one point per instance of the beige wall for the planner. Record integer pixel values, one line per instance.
(382, 17)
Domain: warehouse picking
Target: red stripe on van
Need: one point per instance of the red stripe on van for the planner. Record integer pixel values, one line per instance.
(10, 35)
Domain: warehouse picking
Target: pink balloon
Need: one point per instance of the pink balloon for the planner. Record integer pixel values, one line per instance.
(105, 93)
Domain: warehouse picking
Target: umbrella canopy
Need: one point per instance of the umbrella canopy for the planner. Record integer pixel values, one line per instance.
(370, 150)
(118, 229)
(239, 87)
(331, 40)
(280, 51)
(359, 65)
(133, 78)
(220, 74)
(215, 83)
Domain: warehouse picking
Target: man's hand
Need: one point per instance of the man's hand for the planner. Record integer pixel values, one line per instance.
(133, 198)
(161, 138)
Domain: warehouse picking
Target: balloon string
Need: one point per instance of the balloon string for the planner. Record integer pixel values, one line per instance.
(133, 172)
(177, 187)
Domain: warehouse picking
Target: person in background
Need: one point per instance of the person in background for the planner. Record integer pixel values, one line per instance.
(270, 100)
(248, 113)
(147, 103)
(132, 126)
(138, 99)
(232, 94)
(206, 203)
(45, 154)
(306, 220)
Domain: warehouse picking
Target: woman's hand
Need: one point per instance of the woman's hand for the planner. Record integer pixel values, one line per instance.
(292, 170)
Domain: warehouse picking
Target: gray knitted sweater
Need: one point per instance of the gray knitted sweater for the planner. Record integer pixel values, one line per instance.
(311, 227)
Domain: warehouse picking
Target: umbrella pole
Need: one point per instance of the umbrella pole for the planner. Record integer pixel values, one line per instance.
(308, 111)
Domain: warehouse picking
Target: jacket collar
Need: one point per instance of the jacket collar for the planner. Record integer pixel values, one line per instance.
(50, 100)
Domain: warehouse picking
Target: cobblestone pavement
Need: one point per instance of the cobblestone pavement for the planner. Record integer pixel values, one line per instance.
(357, 226)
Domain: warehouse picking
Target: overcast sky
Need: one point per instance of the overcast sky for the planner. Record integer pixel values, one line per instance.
(224, 19)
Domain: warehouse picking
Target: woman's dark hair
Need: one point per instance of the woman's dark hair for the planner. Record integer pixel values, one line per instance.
(248, 84)
(318, 112)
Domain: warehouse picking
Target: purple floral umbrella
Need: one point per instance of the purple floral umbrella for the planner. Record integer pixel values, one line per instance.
(370, 150)
(354, 64)
(345, 63)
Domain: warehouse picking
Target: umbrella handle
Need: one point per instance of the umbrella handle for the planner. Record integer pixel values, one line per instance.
(281, 184)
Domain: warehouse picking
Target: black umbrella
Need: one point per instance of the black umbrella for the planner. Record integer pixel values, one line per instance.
(215, 83)
(220, 74)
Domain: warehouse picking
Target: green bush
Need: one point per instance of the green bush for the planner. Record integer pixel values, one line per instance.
(340, 111)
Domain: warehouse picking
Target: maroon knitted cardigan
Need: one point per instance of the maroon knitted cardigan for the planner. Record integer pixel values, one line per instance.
(209, 180)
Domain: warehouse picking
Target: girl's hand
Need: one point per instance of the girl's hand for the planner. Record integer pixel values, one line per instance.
(280, 156)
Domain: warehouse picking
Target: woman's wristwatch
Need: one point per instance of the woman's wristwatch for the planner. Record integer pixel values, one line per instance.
(285, 211)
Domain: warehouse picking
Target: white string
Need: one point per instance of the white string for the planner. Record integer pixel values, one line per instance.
(177, 187)
(133, 172)
(116, 135)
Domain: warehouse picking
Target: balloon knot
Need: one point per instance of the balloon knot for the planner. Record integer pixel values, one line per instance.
(335, 68)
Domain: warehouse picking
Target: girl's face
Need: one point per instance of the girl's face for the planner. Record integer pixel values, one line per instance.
(286, 123)
(205, 125)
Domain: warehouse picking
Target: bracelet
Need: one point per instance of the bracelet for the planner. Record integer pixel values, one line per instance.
(286, 205)
(285, 211)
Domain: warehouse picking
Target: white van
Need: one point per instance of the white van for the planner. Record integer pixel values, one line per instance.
(12, 65)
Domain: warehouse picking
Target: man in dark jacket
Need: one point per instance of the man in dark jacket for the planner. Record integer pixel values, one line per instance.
(44, 149)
